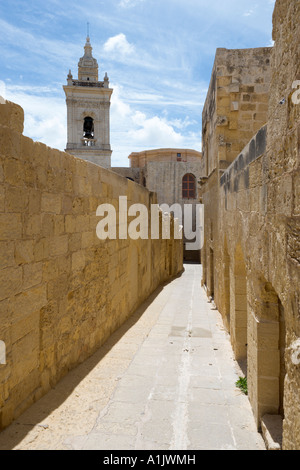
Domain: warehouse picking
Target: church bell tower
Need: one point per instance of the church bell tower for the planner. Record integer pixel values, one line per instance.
(88, 109)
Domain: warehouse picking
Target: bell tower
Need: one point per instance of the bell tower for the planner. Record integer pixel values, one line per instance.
(88, 109)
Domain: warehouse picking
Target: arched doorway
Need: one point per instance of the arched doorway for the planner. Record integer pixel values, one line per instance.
(266, 364)
(238, 316)
(226, 286)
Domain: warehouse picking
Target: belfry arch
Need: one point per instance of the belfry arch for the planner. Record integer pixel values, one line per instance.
(88, 127)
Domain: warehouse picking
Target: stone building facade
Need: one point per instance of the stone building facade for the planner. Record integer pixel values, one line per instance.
(88, 112)
(173, 175)
(250, 189)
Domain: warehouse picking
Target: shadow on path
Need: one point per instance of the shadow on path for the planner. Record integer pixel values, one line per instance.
(38, 412)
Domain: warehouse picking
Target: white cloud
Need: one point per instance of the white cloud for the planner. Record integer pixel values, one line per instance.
(248, 13)
(153, 132)
(2, 90)
(162, 59)
(117, 48)
(118, 45)
(133, 130)
(129, 3)
(45, 116)
(49, 130)
(119, 109)
(33, 49)
(181, 123)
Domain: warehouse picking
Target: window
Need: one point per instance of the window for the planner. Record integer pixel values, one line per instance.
(189, 186)
(88, 128)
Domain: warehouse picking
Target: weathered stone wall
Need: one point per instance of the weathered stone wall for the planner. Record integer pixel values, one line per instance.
(236, 105)
(284, 168)
(258, 282)
(243, 268)
(235, 108)
(62, 290)
(140, 159)
(162, 171)
(254, 274)
(133, 174)
(165, 179)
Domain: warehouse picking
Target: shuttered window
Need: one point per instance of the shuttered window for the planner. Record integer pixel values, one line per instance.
(189, 186)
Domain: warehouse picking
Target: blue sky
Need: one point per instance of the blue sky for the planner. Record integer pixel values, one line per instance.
(158, 55)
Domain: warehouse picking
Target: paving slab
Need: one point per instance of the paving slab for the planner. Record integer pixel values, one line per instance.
(164, 381)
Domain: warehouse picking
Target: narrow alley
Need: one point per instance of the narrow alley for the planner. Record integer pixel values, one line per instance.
(164, 381)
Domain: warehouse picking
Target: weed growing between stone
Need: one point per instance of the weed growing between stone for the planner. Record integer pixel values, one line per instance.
(242, 385)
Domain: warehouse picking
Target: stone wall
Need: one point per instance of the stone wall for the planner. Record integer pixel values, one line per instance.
(140, 159)
(236, 105)
(133, 174)
(165, 179)
(283, 150)
(163, 171)
(63, 291)
(251, 253)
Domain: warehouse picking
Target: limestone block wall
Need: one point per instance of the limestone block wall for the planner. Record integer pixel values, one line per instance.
(63, 291)
(258, 281)
(209, 252)
(236, 106)
(284, 162)
(133, 174)
(251, 258)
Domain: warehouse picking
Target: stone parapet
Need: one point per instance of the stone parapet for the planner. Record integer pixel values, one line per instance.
(253, 150)
(11, 115)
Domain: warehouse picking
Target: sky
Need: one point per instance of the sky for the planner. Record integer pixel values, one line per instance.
(158, 55)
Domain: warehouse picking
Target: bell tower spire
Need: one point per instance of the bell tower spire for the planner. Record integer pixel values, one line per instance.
(88, 109)
(87, 65)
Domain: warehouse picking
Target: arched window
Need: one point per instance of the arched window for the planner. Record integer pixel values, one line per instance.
(88, 128)
(189, 186)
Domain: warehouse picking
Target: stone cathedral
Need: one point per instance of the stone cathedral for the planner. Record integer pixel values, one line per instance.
(88, 108)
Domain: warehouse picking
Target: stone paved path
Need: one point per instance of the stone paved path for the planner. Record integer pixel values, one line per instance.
(164, 381)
